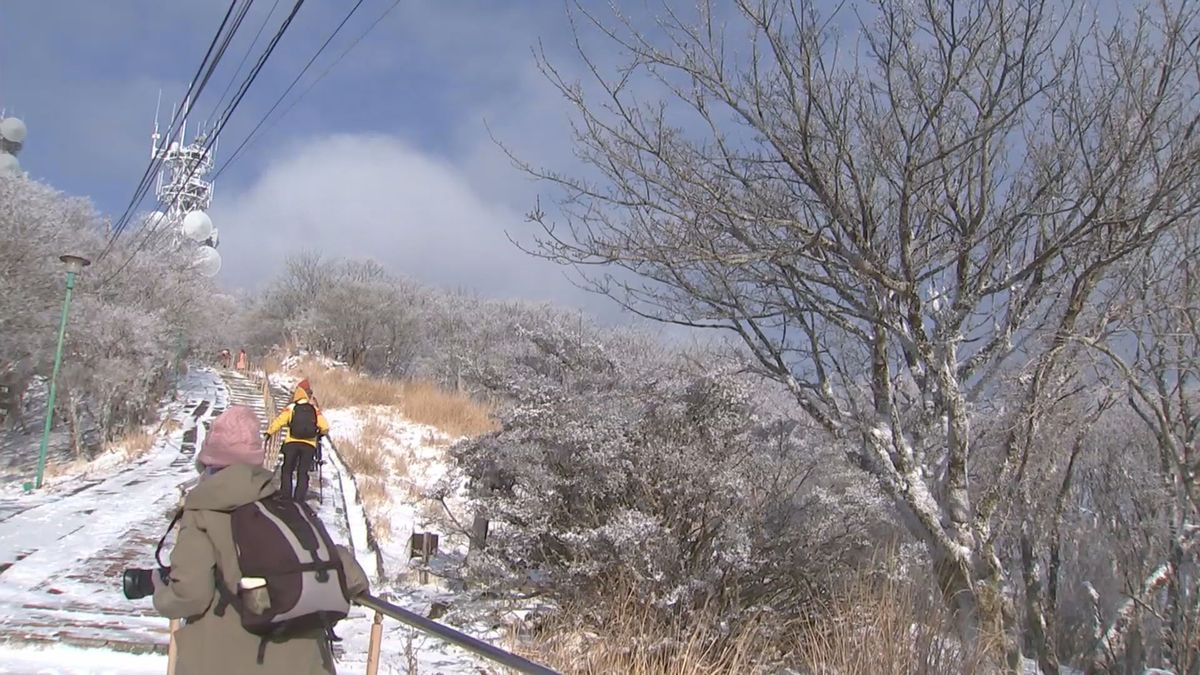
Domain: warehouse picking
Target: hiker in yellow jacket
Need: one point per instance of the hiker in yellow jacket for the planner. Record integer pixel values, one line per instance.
(305, 425)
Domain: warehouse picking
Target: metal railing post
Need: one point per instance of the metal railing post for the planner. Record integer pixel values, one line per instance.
(375, 645)
(172, 648)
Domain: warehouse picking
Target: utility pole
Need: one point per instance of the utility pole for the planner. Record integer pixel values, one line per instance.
(74, 265)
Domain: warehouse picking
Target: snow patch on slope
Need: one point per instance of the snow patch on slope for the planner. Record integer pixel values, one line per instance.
(65, 660)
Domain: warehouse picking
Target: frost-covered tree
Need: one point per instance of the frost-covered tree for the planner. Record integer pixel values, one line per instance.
(354, 311)
(1151, 355)
(898, 226)
(130, 326)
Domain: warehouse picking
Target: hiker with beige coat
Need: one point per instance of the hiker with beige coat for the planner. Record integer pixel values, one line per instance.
(205, 586)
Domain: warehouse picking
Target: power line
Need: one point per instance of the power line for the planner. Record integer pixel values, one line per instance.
(250, 140)
(237, 24)
(147, 176)
(280, 99)
(241, 93)
(245, 56)
(189, 104)
(226, 115)
(184, 111)
(282, 96)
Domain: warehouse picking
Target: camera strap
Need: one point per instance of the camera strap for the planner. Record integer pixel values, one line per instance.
(162, 542)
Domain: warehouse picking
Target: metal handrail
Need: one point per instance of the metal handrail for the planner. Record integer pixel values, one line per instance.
(271, 457)
(384, 608)
(473, 645)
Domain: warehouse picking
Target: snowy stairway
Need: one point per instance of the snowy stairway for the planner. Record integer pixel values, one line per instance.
(244, 391)
(62, 551)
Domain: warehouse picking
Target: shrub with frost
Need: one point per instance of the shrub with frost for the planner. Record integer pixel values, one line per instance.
(622, 463)
(137, 312)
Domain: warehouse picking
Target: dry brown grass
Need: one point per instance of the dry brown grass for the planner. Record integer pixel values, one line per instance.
(375, 431)
(638, 641)
(378, 471)
(139, 441)
(453, 413)
(64, 468)
(372, 474)
(871, 626)
(136, 443)
(367, 460)
(420, 401)
(880, 625)
(133, 445)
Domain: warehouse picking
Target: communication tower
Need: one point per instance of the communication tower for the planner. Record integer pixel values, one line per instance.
(183, 188)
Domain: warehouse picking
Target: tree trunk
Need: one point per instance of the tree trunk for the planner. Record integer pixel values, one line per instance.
(1035, 613)
(479, 532)
(73, 424)
(969, 578)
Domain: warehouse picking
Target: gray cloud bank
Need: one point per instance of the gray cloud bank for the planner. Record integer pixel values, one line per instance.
(373, 195)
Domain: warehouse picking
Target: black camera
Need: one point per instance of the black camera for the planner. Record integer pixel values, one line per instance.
(137, 583)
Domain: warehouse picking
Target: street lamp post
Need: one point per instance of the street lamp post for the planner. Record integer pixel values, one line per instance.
(74, 265)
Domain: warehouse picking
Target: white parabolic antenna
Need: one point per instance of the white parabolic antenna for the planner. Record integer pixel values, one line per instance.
(197, 225)
(207, 261)
(155, 218)
(9, 166)
(13, 129)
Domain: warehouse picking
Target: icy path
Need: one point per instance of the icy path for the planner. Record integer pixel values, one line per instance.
(62, 550)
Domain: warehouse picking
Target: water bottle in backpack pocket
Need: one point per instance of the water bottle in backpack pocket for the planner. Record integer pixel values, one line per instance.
(256, 599)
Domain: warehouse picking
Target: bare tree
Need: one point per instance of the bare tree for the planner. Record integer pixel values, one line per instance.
(305, 278)
(895, 224)
(1155, 353)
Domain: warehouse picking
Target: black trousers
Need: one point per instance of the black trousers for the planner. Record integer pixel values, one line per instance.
(298, 459)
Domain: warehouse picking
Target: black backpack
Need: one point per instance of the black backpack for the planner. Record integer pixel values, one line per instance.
(304, 421)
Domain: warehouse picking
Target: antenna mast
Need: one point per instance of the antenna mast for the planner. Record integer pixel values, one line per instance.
(183, 187)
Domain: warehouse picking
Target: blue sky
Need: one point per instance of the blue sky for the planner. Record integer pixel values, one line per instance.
(387, 157)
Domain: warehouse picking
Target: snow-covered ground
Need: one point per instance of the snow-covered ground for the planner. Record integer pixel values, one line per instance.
(418, 462)
(66, 660)
(62, 549)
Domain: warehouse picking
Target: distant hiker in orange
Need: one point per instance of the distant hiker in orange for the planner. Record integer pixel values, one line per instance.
(307, 387)
(305, 425)
(241, 362)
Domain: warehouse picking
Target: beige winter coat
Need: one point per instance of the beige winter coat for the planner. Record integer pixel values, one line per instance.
(218, 645)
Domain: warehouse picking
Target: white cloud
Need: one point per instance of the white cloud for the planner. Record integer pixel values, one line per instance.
(373, 195)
